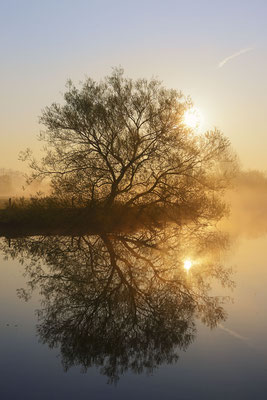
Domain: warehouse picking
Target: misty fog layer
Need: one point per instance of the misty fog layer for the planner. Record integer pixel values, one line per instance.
(248, 205)
(14, 184)
(247, 200)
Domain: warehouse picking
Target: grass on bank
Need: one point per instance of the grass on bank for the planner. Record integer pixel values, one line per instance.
(50, 213)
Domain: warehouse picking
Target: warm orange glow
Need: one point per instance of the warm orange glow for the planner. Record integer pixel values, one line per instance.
(193, 118)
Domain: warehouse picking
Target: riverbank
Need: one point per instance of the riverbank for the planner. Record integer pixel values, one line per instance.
(48, 217)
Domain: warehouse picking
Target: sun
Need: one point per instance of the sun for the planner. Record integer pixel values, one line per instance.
(187, 265)
(193, 118)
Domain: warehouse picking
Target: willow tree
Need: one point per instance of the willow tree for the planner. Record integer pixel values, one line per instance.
(122, 140)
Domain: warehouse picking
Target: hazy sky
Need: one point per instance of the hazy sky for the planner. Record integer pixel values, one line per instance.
(215, 51)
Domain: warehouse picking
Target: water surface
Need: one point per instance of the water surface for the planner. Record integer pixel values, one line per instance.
(226, 362)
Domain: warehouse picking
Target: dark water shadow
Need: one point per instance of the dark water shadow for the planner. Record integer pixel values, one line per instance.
(123, 302)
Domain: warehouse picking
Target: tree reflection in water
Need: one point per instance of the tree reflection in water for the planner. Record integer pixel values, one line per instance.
(122, 301)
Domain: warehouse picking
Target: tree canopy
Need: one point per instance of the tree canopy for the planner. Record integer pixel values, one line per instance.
(123, 140)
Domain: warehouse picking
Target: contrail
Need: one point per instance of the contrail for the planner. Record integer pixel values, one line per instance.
(225, 60)
(233, 333)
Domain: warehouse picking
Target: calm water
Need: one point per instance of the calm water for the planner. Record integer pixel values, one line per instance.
(227, 362)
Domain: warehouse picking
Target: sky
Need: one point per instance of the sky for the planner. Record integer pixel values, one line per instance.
(213, 50)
